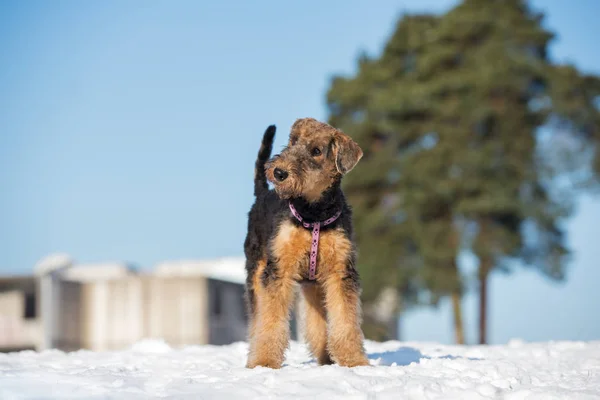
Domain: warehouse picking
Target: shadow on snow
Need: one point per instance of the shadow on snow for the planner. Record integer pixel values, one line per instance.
(407, 355)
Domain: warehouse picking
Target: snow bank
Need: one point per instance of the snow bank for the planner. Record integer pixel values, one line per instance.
(53, 262)
(94, 272)
(229, 269)
(152, 369)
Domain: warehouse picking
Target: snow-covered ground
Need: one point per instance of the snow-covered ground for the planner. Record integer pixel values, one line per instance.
(151, 369)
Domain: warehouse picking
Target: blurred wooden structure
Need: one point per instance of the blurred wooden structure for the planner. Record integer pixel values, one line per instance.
(19, 323)
(110, 306)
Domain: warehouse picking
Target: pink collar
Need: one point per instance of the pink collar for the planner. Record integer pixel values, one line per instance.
(316, 230)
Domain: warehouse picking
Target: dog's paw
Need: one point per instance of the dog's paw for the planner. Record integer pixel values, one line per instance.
(263, 363)
(361, 361)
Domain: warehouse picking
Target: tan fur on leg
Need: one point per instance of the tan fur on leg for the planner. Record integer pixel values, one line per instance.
(345, 338)
(315, 319)
(257, 293)
(272, 329)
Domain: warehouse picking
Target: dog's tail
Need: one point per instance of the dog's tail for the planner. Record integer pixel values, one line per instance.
(260, 177)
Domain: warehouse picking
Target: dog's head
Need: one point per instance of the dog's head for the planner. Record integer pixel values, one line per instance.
(316, 157)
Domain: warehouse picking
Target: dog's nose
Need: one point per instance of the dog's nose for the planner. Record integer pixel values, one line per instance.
(280, 174)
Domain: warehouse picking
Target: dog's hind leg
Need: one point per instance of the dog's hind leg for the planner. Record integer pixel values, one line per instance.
(315, 320)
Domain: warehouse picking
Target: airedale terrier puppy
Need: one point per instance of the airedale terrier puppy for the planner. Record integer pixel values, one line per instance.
(301, 233)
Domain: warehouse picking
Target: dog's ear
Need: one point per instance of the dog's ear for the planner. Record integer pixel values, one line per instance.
(346, 152)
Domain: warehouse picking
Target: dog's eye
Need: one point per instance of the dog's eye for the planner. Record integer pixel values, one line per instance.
(315, 152)
(293, 140)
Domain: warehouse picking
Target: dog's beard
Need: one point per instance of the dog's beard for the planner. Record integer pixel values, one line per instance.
(289, 189)
(284, 193)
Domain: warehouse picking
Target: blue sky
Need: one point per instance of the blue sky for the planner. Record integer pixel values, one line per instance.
(128, 131)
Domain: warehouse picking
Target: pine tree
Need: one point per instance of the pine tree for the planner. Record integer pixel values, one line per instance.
(450, 118)
(407, 238)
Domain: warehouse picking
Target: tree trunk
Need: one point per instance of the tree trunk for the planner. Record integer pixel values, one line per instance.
(393, 333)
(459, 332)
(484, 272)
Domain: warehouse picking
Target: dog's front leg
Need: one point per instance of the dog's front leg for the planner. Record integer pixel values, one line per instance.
(272, 331)
(345, 337)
